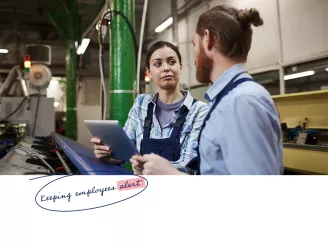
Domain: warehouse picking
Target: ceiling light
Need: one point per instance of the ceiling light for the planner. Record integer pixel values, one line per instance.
(164, 25)
(56, 104)
(299, 75)
(3, 51)
(84, 45)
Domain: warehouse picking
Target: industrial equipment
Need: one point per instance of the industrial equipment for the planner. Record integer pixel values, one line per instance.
(304, 123)
(54, 155)
(24, 108)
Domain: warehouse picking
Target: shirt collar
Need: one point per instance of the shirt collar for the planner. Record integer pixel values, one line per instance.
(223, 80)
(187, 102)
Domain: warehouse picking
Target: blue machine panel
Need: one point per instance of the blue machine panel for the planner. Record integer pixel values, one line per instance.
(84, 159)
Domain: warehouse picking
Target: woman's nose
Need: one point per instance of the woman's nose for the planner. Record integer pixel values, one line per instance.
(166, 67)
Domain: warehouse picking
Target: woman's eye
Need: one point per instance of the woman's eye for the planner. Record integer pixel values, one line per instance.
(172, 62)
(157, 64)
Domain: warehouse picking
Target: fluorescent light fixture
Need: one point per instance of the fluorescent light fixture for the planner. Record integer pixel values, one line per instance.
(84, 45)
(56, 104)
(299, 75)
(327, 69)
(164, 25)
(3, 51)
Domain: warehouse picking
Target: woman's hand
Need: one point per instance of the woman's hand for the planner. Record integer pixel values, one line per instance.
(99, 149)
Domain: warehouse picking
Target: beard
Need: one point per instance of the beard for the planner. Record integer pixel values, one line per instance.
(204, 67)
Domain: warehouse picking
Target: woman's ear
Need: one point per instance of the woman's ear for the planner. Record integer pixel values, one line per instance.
(148, 73)
(180, 69)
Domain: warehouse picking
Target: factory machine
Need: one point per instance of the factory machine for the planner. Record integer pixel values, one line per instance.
(304, 124)
(28, 143)
(55, 155)
(25, 109)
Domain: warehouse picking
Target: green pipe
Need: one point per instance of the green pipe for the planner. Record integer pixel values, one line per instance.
(68, 25)
(71, 70)
(122, 63)
(71, 116)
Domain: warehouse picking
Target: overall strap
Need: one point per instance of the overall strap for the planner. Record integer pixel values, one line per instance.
(182, 115)
(229, 87)
(148, 121)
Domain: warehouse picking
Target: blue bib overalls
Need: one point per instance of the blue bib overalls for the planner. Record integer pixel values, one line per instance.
(194, 164)
(169, 148)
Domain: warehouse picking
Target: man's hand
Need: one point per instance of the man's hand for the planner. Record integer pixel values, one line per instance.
(153, 165)
(99, 149)
(137, 166)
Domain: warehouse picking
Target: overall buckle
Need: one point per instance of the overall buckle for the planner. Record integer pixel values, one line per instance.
(147, 123)
(179, 123)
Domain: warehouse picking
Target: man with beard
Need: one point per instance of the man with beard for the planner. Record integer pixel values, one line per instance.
(241, 133)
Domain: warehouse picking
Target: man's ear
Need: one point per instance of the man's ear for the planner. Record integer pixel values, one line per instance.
(207, 40)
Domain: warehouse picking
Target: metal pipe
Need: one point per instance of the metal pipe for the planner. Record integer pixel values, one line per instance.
(93, 24)
(66, 167)
(23, 83)
(122, 62)
(281, 69)
(8, 80)
(71, 61)
(143, 20)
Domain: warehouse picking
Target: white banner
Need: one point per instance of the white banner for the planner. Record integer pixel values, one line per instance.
(164, 210)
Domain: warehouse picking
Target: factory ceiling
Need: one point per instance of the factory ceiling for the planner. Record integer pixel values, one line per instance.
(27, 22)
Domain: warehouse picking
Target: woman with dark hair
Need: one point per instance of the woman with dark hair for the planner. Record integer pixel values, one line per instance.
(167, 123)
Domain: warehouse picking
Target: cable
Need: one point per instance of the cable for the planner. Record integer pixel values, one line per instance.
(101, 65)
(37, 173)
(28, 153)
(44, 162)
(129, 25)
(101, 62)
(36, 113)
(66, 167)
(34, 154)
(14, 112)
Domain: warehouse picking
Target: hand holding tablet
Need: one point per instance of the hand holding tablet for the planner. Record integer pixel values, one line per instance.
(113, 143)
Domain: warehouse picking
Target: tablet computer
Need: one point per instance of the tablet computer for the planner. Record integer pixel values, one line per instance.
(112, 134)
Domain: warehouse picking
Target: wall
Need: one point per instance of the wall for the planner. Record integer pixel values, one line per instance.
(88, 107)
(302, 29)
